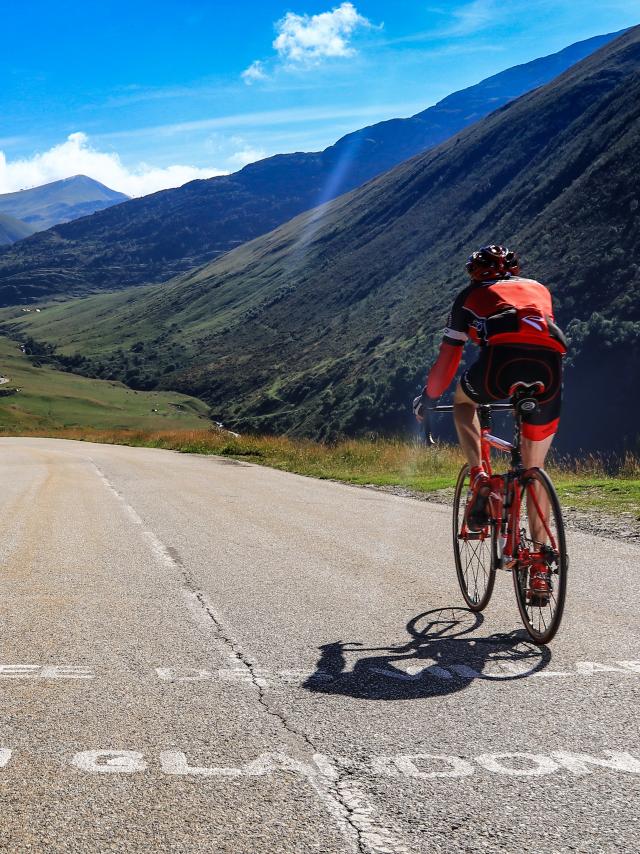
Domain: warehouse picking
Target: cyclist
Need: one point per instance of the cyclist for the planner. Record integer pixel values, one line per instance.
(511, 319)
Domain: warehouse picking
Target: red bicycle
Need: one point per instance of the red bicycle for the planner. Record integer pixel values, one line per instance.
(524, 534)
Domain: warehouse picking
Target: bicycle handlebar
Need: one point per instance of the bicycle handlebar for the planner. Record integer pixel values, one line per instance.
(448, 407)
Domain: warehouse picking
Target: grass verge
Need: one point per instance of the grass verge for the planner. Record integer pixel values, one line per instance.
(586, 484)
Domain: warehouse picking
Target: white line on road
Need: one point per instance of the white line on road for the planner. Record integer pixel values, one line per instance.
(354, 816)
(266, 677)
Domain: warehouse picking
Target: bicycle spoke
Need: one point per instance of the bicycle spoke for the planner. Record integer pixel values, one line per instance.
(541, 583)
(474, 555)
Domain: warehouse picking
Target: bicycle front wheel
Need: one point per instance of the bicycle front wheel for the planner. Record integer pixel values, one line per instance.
(541, 552)
(475, 553)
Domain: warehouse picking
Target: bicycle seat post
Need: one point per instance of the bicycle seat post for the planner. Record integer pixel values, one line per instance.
(516, 451)
(523, 399)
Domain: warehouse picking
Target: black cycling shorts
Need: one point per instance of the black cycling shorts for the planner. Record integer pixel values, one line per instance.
(499, 367)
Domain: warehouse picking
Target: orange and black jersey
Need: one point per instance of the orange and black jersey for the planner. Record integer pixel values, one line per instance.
(512, 311)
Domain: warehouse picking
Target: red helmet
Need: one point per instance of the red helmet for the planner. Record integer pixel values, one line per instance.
(492, 262)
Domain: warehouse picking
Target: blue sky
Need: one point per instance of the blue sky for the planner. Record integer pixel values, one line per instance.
(147, 94)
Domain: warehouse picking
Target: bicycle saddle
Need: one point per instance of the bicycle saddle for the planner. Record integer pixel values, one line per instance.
(524, 396)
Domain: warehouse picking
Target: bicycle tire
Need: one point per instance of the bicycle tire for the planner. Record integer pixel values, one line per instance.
(476, 559)
(539, 629)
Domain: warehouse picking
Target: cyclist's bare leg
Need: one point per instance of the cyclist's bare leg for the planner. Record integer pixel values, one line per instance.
(534, 454)
(467, 424)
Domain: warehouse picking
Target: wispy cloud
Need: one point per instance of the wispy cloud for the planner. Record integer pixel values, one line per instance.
(75, 156)
(451, 23)
(473, 17)
(264, 118)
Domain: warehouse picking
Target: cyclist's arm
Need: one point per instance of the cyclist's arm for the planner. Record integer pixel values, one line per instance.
(453, 341)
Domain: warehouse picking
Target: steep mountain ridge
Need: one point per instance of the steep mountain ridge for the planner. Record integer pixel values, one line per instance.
(326, 325)
(59, 201)
(166, 233)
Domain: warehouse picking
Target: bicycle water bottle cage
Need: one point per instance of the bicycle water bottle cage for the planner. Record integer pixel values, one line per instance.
(524, 396)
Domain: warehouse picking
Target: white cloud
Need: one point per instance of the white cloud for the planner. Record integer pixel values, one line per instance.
(76, 156)
(310, 38)
(254, 73)
(247, 155)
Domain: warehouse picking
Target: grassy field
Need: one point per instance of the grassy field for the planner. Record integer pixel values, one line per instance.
(42, 398)
(586, 485)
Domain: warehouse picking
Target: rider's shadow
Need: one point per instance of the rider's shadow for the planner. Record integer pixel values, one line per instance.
(438, 659)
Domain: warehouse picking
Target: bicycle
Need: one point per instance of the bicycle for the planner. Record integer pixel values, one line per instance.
(520, 532)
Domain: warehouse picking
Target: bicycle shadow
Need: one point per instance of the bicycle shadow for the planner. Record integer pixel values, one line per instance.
(438, 660)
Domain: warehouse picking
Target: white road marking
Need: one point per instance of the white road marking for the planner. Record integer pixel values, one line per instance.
(510, 764)
(18, 671)
(109, 761)
(47, 671)
(265, 677)
(407, 765)
(330, 769)
(428, 766)
(579, 763)
(410, 673)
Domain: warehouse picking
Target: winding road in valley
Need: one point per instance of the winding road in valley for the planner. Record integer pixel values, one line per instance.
(202, 655)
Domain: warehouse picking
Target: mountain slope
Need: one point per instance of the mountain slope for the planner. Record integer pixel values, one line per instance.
(12, 230)
(155, 237)
(326, 324)
(59, 201)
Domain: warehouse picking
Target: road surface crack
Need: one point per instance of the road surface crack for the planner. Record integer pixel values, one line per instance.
(343, 795)
(346, 795)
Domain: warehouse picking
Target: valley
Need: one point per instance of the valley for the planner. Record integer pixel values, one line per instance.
(325, 326)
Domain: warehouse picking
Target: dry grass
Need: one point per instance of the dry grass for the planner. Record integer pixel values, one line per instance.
(589, 482)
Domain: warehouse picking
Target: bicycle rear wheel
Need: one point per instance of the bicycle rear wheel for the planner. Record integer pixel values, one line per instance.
(542, 541)
(475, 554)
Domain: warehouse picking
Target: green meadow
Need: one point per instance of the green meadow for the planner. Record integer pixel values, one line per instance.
(35, 397)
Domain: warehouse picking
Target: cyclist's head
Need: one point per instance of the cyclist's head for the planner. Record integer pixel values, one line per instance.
(492, 262)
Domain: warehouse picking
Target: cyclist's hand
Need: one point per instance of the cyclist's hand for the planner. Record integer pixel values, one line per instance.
(419, 406)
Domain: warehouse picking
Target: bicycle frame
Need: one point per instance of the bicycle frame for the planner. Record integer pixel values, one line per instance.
(505, 499)
(518, 527)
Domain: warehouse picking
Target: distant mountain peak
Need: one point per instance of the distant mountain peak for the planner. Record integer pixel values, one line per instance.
(59, 201)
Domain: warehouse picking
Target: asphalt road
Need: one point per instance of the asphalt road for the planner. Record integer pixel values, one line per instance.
(206, 656)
